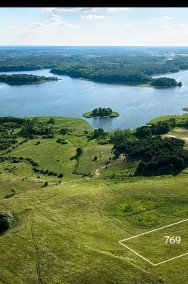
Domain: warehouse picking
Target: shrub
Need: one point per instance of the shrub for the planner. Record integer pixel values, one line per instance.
(13, 190)
(6, 220)
(63, 131)
(61, 141)
(60, 175)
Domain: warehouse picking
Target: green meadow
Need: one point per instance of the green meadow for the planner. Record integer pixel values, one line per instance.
(67, 229)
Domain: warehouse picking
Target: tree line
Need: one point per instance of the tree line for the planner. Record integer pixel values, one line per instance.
(111, 65)
(157, 156)
(17, 79)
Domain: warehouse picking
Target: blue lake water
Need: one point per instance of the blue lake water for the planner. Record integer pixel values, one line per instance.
(72, 97)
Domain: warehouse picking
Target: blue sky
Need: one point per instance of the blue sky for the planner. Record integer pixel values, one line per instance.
(95, 26)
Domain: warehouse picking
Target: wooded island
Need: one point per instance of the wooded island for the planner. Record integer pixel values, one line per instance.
(21, 79)
(101, 113)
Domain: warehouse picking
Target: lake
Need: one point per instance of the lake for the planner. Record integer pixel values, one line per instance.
(72, 97)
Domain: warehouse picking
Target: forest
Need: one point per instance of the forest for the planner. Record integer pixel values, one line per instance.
(112, 65)
(157, 155)
(20, 79)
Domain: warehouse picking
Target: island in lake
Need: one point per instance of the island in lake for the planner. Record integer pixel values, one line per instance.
(21, 79)
(165, 82)
(101, 113)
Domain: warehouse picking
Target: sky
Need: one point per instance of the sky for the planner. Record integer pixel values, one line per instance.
(94, 26)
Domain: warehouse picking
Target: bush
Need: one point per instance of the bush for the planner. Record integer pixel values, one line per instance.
(13, 190)
(61, 141)
(6, 220)
(63, 131)
(46, 183)
(60, 175)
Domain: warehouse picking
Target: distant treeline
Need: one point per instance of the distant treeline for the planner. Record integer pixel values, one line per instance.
(107, 76)
(14, 68)
(115, 76)
(18, 79)
(102, 65)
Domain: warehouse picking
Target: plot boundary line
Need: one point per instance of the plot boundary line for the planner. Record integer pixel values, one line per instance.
(148, 232)
(137, 254)
(154, 230)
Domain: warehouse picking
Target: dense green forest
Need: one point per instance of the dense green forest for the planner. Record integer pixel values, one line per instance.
(157, 155)
(111, 65)
(20, 79)
(115, 75)
(165, 82)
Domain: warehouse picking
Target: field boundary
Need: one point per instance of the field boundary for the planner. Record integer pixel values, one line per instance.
(148, 232)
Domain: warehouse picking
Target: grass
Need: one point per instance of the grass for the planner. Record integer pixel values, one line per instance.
(87, 164)
(69, 232)
(161, 244)
(146, 85)
(49, 154)
(166, 117)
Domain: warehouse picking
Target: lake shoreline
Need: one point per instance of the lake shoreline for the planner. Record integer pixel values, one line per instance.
(73, 97)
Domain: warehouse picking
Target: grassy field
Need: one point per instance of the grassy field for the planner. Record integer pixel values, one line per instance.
(166, 117)
(161, 245)
(69, 231)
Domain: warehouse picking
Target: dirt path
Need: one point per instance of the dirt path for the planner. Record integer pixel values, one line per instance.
(97, 172)
(174, 136)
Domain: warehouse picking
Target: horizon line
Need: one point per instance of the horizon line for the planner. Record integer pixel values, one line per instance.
(48, 45)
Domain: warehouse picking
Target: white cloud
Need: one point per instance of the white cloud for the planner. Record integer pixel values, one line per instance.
(52, 9)
(47, 10)
(164, 18)
(180, 25)
(52, 24)
(56, 20)
(108, 9)
(168, 18)
(168, 27)
(93, 17)
(85, 9)
(130, 24)
(177, 29)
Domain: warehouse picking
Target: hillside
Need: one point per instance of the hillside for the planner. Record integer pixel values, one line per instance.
(72, 207)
